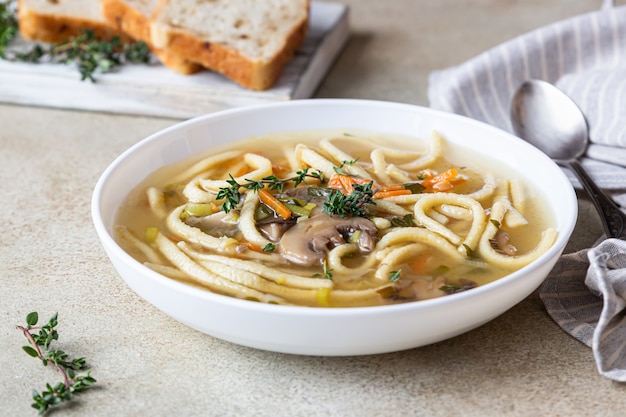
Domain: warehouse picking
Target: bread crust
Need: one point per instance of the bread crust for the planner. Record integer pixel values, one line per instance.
(127, 19)
(50, 28)
(255, 75)
(182, 51)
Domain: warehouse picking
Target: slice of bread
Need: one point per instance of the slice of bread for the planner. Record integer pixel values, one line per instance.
(133, 18)
(249, 41)
(57, 21)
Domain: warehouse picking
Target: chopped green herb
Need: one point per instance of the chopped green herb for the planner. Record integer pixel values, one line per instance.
(394, 276)
(449, 288)
(414, 187)
(340, 170)
(468, 251)
(352, 162)
(328, 272)
(464, 285)
(270, 247)
(406, 221)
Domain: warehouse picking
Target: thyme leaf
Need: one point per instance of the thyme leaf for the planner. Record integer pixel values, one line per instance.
(270, 247)
(394, 276)
(328, 272)
(408, 220)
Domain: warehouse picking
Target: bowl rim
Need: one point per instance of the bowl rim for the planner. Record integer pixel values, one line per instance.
(110, 244)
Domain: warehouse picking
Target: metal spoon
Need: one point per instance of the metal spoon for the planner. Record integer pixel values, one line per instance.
(547, 118)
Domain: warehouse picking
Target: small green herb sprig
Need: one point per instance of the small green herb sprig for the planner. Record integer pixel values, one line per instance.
(40, 338)
(8, 25)
(232, 196)
(88, 53)
(339, 170)
(326, 271)
(353, 204)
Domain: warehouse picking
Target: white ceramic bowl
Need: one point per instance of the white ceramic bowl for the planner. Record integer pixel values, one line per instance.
(326, 331)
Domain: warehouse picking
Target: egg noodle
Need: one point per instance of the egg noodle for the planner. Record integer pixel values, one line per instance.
(338, 221)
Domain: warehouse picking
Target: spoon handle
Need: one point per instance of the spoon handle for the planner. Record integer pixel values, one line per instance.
(613, 219)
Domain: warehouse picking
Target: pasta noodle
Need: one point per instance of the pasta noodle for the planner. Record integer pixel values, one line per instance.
(437, 199)
(334, 219)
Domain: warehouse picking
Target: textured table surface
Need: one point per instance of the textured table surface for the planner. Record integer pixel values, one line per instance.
(520, 364)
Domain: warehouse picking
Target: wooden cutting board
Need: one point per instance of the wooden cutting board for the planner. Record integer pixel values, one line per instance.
(154, 90)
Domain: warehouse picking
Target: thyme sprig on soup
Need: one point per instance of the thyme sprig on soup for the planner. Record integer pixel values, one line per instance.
(334, 219)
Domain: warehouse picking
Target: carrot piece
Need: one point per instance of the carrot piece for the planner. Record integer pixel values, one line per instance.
(336, 182)
(279, 170)
(253, 247)
(344, 182)
(274, 204)
(242, 171)
(442, 186)
(390, 193)
(444, 176)
(393, 187)
(229, 164)
(418, 264)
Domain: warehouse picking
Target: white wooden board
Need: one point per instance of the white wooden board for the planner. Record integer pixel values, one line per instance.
(154, 90)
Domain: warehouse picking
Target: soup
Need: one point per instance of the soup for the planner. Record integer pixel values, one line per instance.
(335, 219)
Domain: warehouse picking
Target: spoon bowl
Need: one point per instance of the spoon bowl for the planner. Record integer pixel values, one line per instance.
(547, 118)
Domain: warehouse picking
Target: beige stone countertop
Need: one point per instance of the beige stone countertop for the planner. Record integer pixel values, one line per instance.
(147, 364)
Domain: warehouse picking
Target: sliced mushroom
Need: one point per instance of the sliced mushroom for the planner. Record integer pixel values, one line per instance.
(308, 241)
(502, 241)
(274, 230)
(214, 224)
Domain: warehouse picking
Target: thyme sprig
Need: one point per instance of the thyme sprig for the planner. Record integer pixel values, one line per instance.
(353, 204)
(89, 54)
(40, 338)
(340, 170)
(232, 196)
(8, 25)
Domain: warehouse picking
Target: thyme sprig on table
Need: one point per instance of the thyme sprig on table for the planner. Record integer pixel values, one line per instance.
(40, 339)
(88, 53)
(232, 196)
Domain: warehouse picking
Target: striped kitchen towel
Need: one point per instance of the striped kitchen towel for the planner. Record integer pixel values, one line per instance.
(585, 56)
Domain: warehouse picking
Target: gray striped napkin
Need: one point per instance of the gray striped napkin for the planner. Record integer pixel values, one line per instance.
(585, 56)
